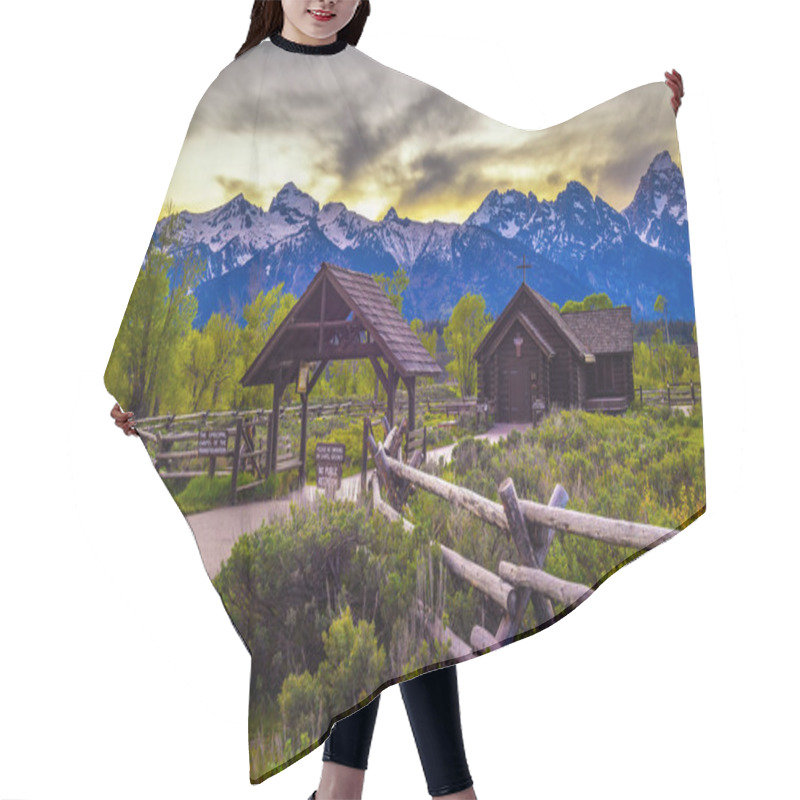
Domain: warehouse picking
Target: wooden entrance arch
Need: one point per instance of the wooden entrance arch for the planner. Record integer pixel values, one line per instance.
(342, 315)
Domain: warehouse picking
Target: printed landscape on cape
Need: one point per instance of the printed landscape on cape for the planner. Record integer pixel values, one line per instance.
(418, 380)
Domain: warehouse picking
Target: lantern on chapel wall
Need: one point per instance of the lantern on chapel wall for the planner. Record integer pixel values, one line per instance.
(518, 340)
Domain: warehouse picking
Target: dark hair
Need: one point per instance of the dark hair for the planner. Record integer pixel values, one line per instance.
(266, 18)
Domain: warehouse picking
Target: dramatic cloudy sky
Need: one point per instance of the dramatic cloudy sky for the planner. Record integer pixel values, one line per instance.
(345, 128)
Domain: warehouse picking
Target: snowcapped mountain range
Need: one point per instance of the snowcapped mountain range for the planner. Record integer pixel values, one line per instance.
(576, 244)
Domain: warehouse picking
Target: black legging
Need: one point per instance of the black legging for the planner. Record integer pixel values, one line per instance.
(431, 701)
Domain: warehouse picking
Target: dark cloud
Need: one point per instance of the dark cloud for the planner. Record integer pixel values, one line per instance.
(233, 186)
(393, 114)
(230, 102)
(449, 173)
(359, 116)
(589, 173)
(364, 124)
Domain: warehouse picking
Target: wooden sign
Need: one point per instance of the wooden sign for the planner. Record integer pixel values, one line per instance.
(302, 378)
(329, 457)
(212, 443)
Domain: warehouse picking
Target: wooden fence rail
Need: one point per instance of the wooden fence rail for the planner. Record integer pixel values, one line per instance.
(676, 394)
(176, 440)
(531, 526)
(355, 408)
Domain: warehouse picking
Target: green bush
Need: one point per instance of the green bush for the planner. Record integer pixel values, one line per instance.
(203, 493)
(284, 585)
(325, 599)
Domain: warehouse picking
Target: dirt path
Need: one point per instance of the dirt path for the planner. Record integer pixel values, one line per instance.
(218, 529)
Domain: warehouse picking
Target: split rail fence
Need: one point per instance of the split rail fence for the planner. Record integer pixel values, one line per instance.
(676, 394)
(356, 408)
(530, 525)
(176, 440)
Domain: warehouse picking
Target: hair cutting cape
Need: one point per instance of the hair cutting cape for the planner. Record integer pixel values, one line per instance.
(420, 381)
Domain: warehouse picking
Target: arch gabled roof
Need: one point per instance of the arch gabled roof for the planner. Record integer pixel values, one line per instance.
(345, 296)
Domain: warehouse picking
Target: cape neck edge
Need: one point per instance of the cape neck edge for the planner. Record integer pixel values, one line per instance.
(308, 49)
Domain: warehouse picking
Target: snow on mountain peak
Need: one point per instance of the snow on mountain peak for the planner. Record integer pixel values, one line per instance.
(657, 213)
(341, 226)
(576, 193)
(504, 212)
(293, 204)
(662, 162)
(571, 230)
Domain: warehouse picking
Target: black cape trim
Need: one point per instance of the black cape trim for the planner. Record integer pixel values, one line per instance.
(309, 49)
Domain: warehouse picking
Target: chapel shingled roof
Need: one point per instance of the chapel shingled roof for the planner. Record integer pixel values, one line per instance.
(588, 332)
(579, 344)
(606, 330)
(512, 310)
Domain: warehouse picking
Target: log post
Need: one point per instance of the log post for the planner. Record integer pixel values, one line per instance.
(235, 471)
(364, 456)
(268, 454)
(516, 521)
(249, 447)
(382, 507)
(384, 473)
(533, 552)
(389, 439)
(406, 486)
(395, 439)
(303, 438)
(159, 449)
(411, 385)
(277, 391)
(393, 380)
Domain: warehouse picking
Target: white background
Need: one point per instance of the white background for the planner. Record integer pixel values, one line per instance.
(120, 673)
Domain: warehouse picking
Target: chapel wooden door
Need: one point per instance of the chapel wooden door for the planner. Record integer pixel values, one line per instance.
(519, 397)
